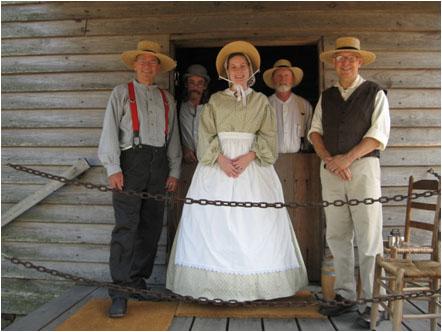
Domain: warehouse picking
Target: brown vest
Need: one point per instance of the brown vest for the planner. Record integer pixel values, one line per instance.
(346, 122)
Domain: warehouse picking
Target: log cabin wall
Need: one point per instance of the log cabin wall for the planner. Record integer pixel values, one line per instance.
(60, 61)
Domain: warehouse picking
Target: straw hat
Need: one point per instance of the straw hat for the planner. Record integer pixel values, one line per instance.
(148, 47)
(237, 47)
(196, 70)
(283, 63)
(348, 44)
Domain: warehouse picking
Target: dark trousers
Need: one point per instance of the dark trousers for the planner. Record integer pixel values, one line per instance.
(138, 222)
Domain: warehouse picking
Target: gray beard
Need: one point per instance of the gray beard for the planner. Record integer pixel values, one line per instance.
(283, 88)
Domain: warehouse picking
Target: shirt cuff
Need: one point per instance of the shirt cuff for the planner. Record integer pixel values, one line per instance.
(112, 169)
(175, 173)
(378, 136)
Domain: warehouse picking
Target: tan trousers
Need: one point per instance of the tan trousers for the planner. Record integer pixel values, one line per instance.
(346, 222)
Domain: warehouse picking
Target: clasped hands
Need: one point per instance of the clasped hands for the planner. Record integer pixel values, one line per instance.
(339, 165)
(234, 167)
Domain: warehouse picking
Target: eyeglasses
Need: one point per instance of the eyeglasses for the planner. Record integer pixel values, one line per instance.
(147, 63)
(351, 58)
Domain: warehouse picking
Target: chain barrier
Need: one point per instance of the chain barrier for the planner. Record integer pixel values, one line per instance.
(170, 296)
(188, 200)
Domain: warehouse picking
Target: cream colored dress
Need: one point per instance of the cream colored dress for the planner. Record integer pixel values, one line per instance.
(232, 252)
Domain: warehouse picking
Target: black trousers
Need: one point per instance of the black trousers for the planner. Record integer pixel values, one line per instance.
(138, 222)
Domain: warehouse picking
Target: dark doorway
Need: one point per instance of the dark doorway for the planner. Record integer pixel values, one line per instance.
(305, 57)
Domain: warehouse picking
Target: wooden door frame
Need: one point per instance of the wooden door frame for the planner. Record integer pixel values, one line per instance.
(273, 40)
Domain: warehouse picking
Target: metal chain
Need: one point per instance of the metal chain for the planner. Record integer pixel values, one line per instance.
(433, 172)
(170, 296)
(188, 200)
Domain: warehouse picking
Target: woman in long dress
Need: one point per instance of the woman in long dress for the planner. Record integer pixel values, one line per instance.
(233, 252)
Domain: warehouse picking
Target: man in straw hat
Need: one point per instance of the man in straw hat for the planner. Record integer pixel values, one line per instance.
(350, 127)
(293, 113)
(140, 149)
(196, 82)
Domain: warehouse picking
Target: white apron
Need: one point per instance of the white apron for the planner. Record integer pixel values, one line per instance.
(236, 240)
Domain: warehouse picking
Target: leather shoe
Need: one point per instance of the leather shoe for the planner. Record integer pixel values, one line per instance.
(365, 318)
(145, 297)
(118, 308)
(338, 309)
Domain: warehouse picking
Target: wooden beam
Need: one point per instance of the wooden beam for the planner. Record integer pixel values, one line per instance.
(77, 168)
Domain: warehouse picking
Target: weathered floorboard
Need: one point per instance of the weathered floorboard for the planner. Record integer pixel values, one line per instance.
(315, 324)
(278, 324)
(245, 324)
(209, 324)
(181, 324)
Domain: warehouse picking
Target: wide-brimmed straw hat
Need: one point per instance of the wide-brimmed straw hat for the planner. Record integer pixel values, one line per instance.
(148, 47)
(348, 44)
(282, 63)
(237, 47)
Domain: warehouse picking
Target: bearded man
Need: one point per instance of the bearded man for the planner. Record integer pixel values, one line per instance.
(293, 112)
(196, 81)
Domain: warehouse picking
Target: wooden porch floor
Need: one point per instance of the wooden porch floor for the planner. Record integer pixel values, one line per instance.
(50, 315)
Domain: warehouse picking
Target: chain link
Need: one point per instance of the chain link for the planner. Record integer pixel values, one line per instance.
(262, 205)
(170, 296)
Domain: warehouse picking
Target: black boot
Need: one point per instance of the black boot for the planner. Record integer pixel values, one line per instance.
(339, 309)
(118, 308)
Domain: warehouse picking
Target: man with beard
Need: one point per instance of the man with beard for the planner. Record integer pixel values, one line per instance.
(293, 112)
(196, 82)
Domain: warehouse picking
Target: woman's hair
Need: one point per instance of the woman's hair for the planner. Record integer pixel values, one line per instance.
(252, 79)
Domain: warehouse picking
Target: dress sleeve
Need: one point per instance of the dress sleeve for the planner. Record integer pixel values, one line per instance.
(265, 144)
(208, 142)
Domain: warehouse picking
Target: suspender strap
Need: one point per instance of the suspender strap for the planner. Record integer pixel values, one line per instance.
(134, 114)
(166, 110)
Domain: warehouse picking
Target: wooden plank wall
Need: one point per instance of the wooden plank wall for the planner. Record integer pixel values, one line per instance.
(60, 61)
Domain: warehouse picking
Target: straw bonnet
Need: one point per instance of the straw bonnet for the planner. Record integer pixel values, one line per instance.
(348, 44)
(196, 70)
(283, 63)
(148, 47)
(237, 47)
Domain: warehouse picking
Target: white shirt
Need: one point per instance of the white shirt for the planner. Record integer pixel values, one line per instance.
(189, 122)
(293, 118)
(380, 120)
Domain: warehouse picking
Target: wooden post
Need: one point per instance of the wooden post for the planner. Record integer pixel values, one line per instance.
(76, 169)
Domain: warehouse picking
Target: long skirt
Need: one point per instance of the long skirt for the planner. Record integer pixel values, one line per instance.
(236, 252)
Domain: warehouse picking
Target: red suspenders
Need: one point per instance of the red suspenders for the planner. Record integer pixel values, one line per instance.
(134, 114)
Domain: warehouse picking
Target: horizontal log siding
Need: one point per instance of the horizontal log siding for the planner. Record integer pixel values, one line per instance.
(60, 61)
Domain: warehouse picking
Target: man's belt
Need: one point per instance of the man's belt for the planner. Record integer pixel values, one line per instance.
(374, 153)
